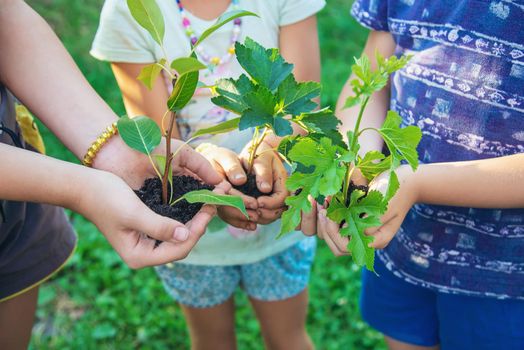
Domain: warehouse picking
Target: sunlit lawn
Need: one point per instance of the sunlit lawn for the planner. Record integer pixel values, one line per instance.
(98, 303)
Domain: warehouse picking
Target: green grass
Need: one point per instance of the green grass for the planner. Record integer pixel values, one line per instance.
(96, 302)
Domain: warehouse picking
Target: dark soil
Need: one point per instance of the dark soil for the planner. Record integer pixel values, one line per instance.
(250, 187)
(151, 194)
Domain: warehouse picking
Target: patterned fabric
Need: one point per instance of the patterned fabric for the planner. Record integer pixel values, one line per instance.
(464, 88)
(278, 277)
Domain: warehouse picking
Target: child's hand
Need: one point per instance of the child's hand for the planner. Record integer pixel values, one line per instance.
(132, 228)
(228, 166)
(270, 177)
(398, 208)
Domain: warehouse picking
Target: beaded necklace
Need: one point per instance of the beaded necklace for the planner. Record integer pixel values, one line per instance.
(211, 61)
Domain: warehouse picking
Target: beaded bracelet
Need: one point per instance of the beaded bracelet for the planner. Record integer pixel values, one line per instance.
(97, 145)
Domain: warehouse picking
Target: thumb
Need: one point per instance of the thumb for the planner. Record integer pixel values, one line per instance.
(159, 227)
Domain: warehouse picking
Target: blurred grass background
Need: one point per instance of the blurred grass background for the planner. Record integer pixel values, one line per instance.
(96, 302)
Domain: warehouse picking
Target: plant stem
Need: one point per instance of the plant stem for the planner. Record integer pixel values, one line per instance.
(257, 141)
(169, 158)
(357, 125)
(353, 148)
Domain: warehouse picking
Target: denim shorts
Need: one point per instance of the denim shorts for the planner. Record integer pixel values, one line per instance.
(420, 316)
(278, 277)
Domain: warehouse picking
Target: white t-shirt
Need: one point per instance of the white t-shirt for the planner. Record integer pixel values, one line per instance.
(120, 39)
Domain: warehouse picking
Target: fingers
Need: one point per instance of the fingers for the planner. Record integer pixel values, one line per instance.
(308, 224)
(157, 226)
(385, 233)
(263, 169)
(196, 163)
(267, 216)
(280, 192)
(235, 218)
(330, 232)
(231, 166)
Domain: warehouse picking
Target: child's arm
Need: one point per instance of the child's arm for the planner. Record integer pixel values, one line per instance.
(39, 71)
(103, 198)
(487, 183)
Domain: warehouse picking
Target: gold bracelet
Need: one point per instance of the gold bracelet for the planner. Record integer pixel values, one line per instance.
(99, 142)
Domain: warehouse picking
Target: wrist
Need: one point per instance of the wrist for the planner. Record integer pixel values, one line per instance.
(411, 180)
(117, 158)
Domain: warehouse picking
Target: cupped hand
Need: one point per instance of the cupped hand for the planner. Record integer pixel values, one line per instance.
(132, 228)
(398, 208)
(227, 164)
(271, 178)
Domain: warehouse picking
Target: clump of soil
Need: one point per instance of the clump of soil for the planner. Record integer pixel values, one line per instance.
(151, 194)
(250, 187)
(353, 187)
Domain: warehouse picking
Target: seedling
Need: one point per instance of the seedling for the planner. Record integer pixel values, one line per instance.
(324, 166)
(268, 98)
(142, 133)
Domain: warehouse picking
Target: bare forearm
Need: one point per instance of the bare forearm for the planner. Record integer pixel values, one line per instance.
(488, 183)
(38, 70)
(32, 177)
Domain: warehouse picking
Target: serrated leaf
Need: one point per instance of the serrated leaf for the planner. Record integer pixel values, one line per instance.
(261, 108)
(225, 18)
(393, 186)
(321, 121)
(231, 93)
(227, 126)
(148, 15)
(265, 66)
(149, 74)
(184, 65)
(329, 171)
(401, 142)
(292, 216)
(183, 91)
(209, 197)
(140, 133)
(296, 98)
(373, 164)
(363, 212)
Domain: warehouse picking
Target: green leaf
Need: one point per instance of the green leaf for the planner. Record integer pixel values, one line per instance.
(209, 197)
(184, 65)
(265, 66)
(292, 216)
(282, 127)
(149, 73)
(148, 15)
(364, 211)
(401, 142)
(321, 121)
(393, 186)
(231, 93)
(183, 91)
(286, 144)
(373, 164)
(140, 133)
(329, 171)
(225, 18)
(227, 126)
(296, 98)
(261, 108)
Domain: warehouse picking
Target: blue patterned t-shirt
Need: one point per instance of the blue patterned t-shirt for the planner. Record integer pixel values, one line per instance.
(464, 88)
